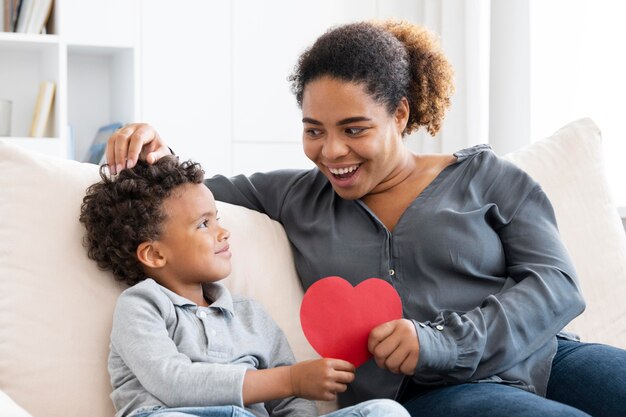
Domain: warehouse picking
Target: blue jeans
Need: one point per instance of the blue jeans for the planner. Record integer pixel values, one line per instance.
(216, 411)
(587, 379)
(372, 408)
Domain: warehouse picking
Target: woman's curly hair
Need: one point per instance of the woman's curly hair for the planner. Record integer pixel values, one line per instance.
(122, 211)
(392, 59)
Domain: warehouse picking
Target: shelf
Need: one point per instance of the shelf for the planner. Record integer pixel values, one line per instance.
(93, 64)
(101, 90)
(26, 41)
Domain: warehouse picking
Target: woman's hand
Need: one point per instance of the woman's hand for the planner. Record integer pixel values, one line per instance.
(321, 379)
(395, 346)
(132, 142)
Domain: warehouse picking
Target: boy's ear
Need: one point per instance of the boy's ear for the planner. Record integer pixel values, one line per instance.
(149, 255)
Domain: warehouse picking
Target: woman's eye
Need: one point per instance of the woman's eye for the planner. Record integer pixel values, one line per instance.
(353, 131)
(313, 132)
(204, 224)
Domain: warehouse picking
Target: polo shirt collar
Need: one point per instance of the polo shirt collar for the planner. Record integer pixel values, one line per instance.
(212, 291)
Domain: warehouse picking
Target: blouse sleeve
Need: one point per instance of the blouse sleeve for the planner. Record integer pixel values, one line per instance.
(540, 297)
(263, 192)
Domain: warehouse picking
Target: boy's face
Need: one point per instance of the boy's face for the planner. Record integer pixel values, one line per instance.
(195, 246)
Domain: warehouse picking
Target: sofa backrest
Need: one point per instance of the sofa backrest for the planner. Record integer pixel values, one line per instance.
(56, 306)
(569, 165)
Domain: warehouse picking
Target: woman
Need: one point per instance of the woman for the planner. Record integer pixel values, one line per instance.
(469, 241)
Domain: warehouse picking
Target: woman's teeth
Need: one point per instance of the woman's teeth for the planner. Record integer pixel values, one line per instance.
(343, 171)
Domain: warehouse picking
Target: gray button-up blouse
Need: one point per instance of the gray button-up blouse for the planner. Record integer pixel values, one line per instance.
(476, 258)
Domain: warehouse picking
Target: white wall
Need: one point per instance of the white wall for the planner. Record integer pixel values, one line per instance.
(214, 74)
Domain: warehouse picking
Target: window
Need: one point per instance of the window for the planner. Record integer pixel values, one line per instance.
(578, 69)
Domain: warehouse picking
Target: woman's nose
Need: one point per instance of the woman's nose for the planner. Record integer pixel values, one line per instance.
(334, 148)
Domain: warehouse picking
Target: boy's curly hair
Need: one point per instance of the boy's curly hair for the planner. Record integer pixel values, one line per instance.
(392, 59)
(121, 212)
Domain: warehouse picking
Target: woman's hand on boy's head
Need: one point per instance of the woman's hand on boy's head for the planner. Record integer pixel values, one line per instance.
(321, 379)
(395, 346)
(132, 142)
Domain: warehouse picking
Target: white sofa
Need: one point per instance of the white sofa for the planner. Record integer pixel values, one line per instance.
(55, 305)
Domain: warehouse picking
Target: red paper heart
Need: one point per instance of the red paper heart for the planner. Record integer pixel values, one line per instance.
(337, 318)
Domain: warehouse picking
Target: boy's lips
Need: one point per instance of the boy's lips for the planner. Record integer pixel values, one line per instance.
(225, 249)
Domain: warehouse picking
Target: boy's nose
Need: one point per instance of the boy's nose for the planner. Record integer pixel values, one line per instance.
(223, 234)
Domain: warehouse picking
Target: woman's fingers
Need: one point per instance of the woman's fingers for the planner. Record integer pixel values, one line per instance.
(133, 142)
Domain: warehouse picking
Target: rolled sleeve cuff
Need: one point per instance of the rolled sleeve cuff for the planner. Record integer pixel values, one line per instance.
(437, 350)
(228, 387)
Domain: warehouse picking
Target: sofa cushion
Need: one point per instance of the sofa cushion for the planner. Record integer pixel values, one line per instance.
(569, 166)
(56, 306)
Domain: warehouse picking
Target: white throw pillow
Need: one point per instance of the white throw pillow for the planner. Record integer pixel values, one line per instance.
(55, 305)
(569, 166)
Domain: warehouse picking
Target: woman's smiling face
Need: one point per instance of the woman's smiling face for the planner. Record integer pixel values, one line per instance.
(352, 138)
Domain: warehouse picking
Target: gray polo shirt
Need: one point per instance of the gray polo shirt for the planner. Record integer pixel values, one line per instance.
(168, 351)
(476, 258)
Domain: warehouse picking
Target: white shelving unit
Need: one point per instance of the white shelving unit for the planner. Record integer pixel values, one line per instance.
(92, 55)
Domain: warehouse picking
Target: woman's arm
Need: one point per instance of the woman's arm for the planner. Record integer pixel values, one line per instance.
(540, 296)
(535, 297)
(263, 192)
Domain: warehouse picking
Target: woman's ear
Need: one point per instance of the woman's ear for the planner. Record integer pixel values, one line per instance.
(149, 255)
(401, 115)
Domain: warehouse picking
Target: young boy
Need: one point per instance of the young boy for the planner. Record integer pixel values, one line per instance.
(180, 344)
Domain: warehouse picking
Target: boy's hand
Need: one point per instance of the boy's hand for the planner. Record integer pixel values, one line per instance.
(395, 346)
(321, 379)
(132, 142)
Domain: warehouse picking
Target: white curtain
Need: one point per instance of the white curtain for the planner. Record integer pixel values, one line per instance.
(524, 68)
(487, 42)
(463, 29)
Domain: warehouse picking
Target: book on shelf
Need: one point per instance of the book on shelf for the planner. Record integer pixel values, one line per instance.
(43, 107)
(33, 15)
(25, 12)
(10, 9)
(95, 153)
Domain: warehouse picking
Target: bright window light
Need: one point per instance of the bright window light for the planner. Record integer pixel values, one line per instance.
(578, 69)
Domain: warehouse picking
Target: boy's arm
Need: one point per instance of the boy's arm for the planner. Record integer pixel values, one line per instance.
(285, 386)
(319, 379)
(140, 337)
